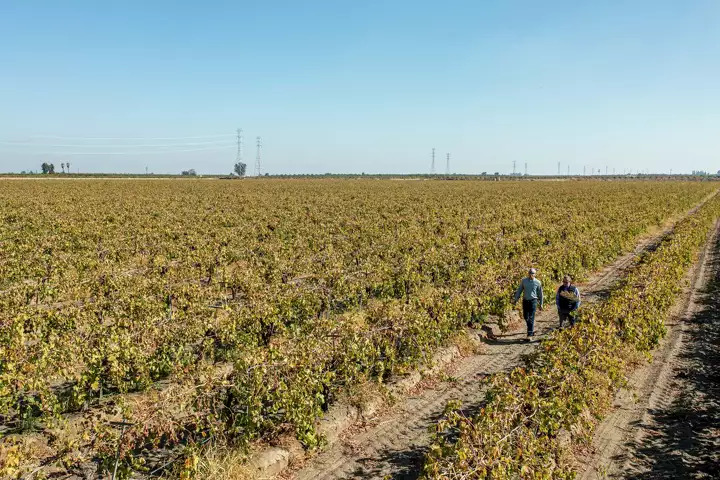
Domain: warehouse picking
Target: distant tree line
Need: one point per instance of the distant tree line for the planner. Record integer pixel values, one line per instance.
(49, 168)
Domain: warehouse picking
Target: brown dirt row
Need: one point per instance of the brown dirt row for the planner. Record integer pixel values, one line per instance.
(666, 424)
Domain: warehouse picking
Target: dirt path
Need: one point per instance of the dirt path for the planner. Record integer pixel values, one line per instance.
(667, 424)
(393, 445)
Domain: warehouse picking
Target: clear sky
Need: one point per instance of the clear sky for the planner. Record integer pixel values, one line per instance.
(352, 86)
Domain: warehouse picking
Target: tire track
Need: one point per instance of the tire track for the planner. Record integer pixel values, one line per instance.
(652, 386)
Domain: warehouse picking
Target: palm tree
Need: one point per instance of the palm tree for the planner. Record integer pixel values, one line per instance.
(62, 165)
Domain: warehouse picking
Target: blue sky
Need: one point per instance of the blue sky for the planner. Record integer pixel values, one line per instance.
(340, 86)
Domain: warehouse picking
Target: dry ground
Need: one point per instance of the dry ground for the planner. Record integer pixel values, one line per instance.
(666, 425)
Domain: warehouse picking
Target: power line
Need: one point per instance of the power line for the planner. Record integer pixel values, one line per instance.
(133, 138)
(105, 145)
(432, 164)
(447, 165)
(149, 152)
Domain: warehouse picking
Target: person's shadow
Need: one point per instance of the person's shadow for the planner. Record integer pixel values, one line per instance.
(513, 339)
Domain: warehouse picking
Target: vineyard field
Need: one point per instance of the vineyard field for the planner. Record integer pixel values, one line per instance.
(199, 312)
(538, 420)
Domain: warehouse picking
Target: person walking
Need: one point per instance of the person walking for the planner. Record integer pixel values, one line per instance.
(531, 290)
(567, 300)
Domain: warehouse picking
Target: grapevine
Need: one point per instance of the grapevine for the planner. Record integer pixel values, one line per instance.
(535, 414)
(239, 311)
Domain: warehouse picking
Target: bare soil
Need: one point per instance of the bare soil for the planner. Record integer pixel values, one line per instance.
(666, 424)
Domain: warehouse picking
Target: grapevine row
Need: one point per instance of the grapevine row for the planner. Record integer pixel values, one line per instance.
(314, 287)
(534, 415)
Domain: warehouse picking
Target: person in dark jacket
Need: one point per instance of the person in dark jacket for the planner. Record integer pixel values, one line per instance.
(567, 300)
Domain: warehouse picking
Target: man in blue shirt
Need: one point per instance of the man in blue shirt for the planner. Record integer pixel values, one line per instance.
(531, 290)
(567, 300)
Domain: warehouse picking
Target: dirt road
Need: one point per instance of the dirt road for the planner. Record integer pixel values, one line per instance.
(393, 445)
(667, 423)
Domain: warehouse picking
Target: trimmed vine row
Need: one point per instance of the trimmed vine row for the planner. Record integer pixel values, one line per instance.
(534, 415)
(230, 312)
